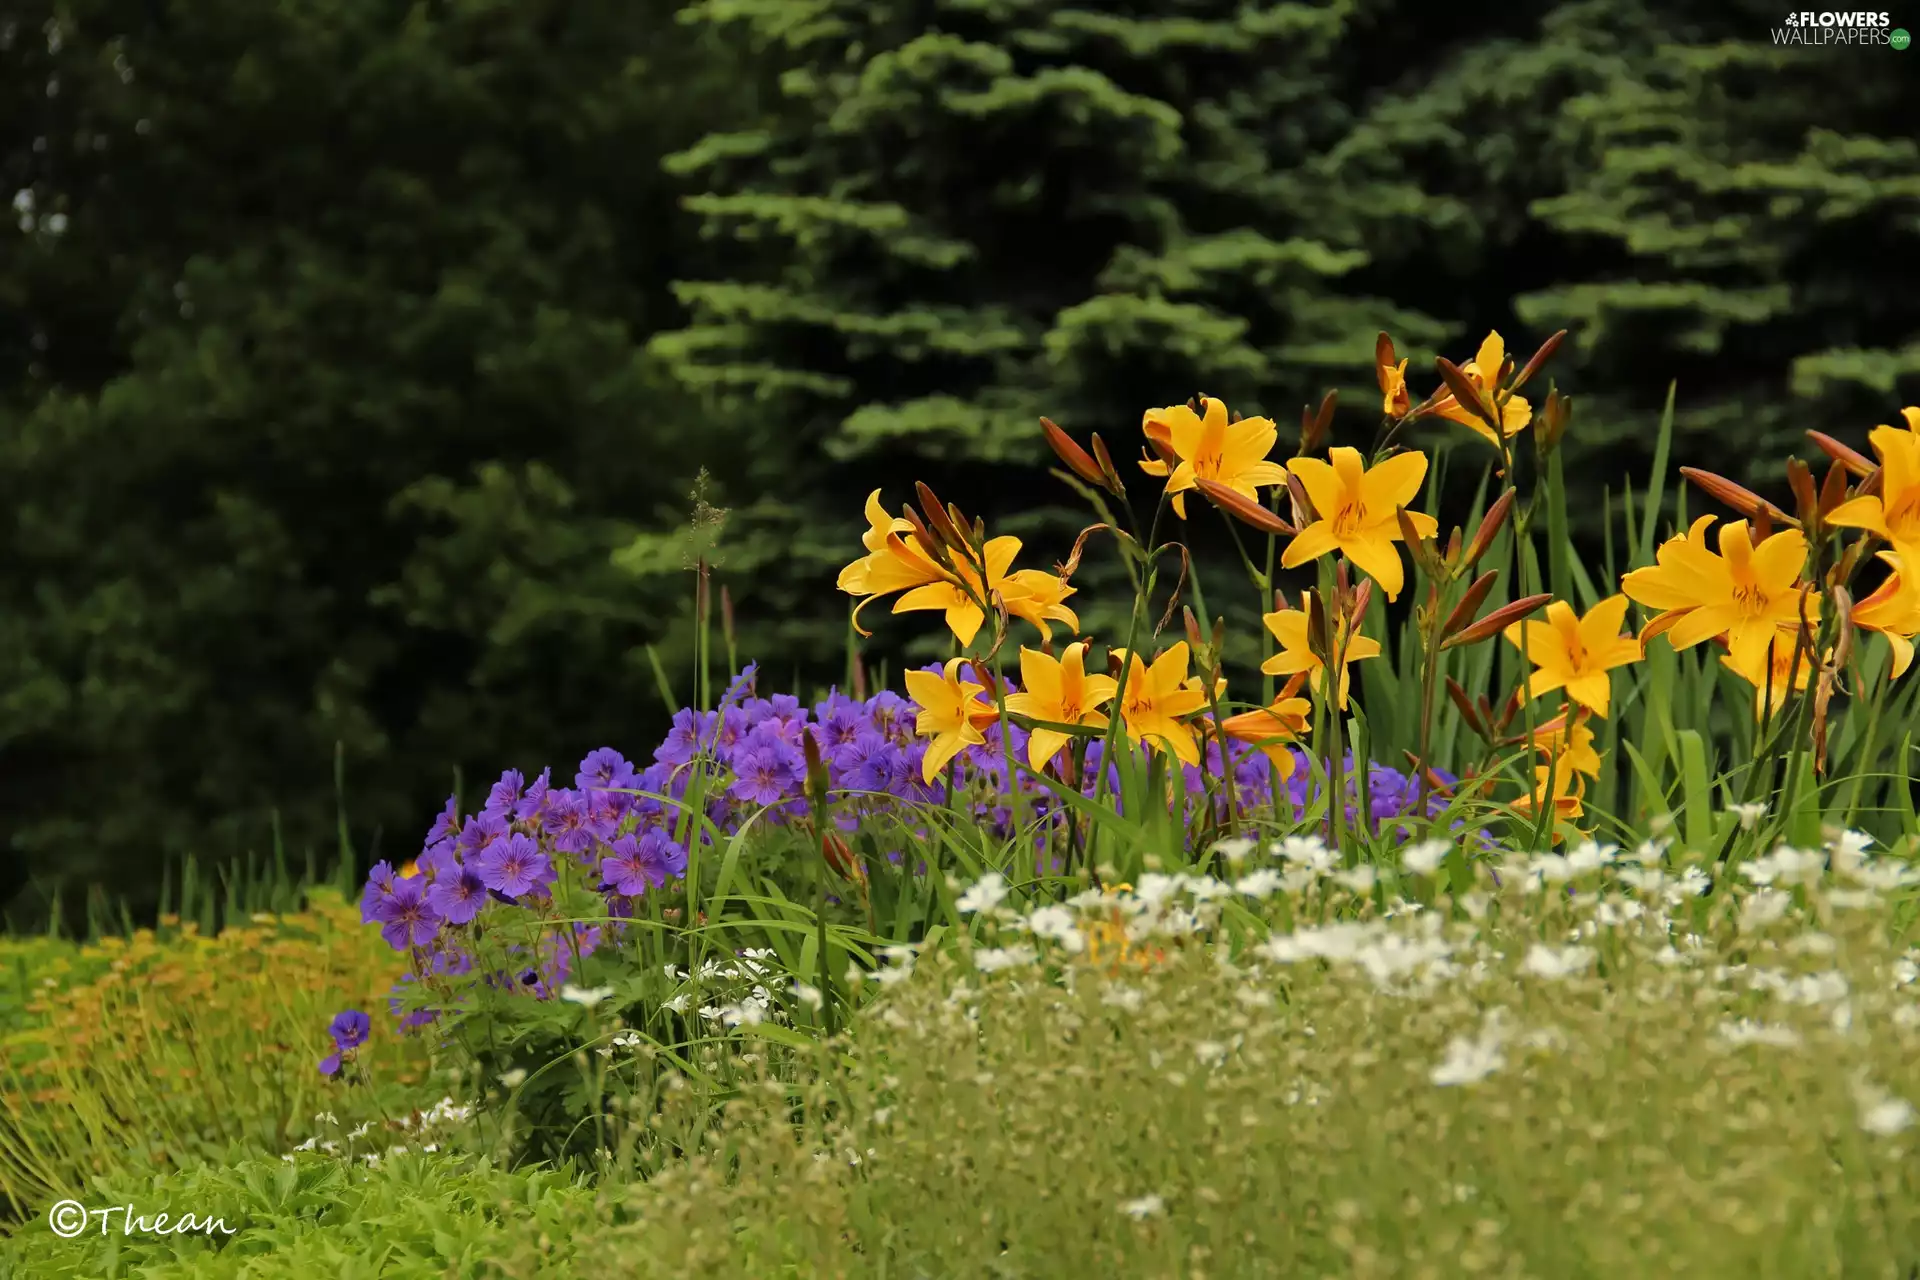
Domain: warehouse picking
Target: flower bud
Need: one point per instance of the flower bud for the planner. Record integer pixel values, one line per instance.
(1469, 395)
(1850, 458)
(1490, 525)
(1741, 499)
(1077, 459)
(1496, 622)
(1245, 509)
(1540, 357)
(1469, 607)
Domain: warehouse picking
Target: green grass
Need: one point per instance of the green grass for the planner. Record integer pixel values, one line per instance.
(1710, 1085)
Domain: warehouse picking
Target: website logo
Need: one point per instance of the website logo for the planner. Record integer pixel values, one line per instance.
(1840, 27)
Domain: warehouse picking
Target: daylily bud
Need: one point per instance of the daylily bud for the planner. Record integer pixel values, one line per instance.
(1245, 509)
(1453, 550)
(840, 858)
(1843, 645)
(1466, 392)
(1743, 500)
(1496, 622)
(1469, 607)
(936, 548)
(1540, 357)
(1762, 527)
(816, 766)
(1847, 456)
(938, 520)
(1508, 712)
(1465, 707)
(1319, 634)
(1490, 526)
(1193, 629)
(1800, 480)
(1834, 491)
(1873, 484)
(1361, 599)
(726, 617)
(1108, 475)
(1314, 426)
(1426, 553)
(1554, 416)
(1077, 459)
(1303, 512)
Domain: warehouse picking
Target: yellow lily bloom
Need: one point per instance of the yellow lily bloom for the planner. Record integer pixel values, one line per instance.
(1286, 719)
(1894, 513)
(1777, 655)
(1036, 596)
(1567, 800)
(1060, 690)
(1484, 372)
(1893, 610)
(1571, 745)
(1575, 653)
(894, 562)
(1155, 699)
(1211, 448)
(1356, 512)
(951, 713)
(1395, 399)
(1289, 627)
(1745, 592)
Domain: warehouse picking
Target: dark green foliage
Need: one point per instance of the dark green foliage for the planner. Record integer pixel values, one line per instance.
(358, 398)
(325, 411)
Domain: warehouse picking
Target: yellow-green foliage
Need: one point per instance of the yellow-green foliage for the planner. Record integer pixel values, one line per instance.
(147, 1052)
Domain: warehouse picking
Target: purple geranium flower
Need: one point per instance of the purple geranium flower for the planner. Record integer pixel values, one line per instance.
(379, 888)
(534, 799)
(603, 768)
(480, 832)
(767, 771)
(350, 1029)
(515, 866)
(566, 822)
(692, 731)
(407, 917)
(641, 862)
(458, 897)
(505, 796)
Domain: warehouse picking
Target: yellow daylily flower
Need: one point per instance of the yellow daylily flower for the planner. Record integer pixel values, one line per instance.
(963, 612)
(1778, 655)
(1355, 509)
(1286, 719)
(1156, 697)
(1036, 596)
(1572, 745)
(1233, 454)
(1894, 513)
(1567, 800)
(1484, 372)
(951, 713)
(894, 561)
(1059, 690)
(1289, 627)
(1893, 609)
(1574, 653)
(1395, 399)
(1745, 592)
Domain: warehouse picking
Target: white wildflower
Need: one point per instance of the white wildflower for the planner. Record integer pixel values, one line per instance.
(1307, 851)
(1263, 883)
(987, 893)
(1127, 998)
(1882, 1114)
(1210, 1052)
(1557, 962)
(1425, 858)
(993, 959)
(1235, 850)
(1591, 855)
(1357, 879)
(1747, 1031)
(1471, 1059)
(1148, 1206)
(808, 995)
(585, 996)
(1749, 814)
(1058, 924)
